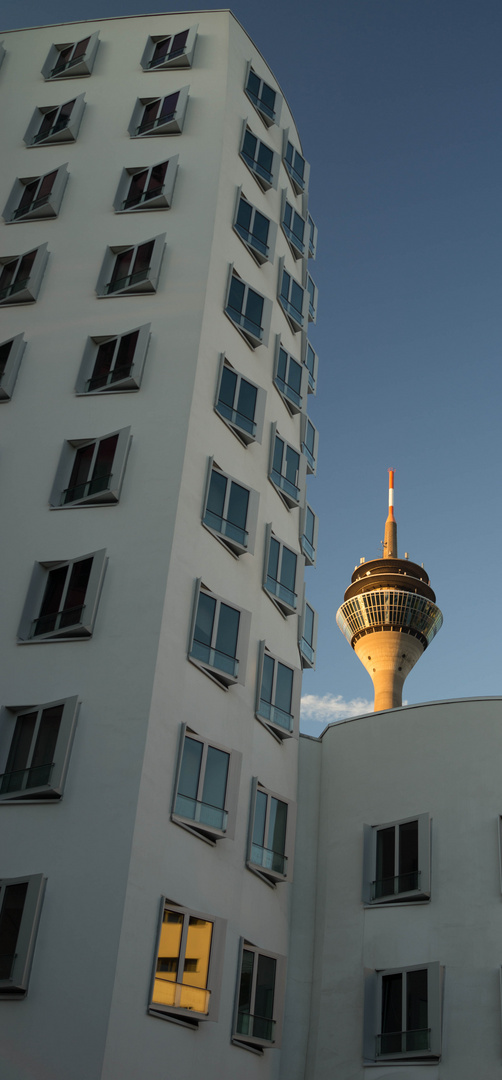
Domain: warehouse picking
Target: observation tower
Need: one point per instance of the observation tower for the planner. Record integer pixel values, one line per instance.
(389, 615)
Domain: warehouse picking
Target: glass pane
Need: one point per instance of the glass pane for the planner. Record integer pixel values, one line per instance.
(104, 463)
(249, 145)
(80, 472)
(80, 48)
(292, 465)
(77, 588)
(143, 258)
(246, 404)
(284, 687)
(10, 921)
(103, 362)
(125, 354)
(295, 376)
(19, 752)
(205, 618)
(296, 296)
(260, 227)
(122, 264)
(288, 569)
(260, 815)
(28, 195)
(190, 768)
(392, 1020)
(65, 112)
(282, 365)
(215, 779)
(197, 953)
(385, 861)
(237, 510)
(309, 525)
(169, 106)
(267, 678)
(136, 187)
(277, 826)
(308, 625)
(416, 1000)
(246, 983)
(265, 158)
(227, 387)
(56, 580)
(45, 746)
(25, 266)
(244, 215)
(265, 986)
(268, 96)
(408, 856)
(278, 453)
(253, 84)
(236, 294)
(228, 629)
(273, 559)
(157, 177)
(216, 495)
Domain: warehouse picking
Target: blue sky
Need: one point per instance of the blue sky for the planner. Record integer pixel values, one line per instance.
(399, 106)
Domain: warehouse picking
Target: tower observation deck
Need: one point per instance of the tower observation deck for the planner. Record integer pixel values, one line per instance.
(389, 615)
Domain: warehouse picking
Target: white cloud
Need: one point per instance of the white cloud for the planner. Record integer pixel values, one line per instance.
(330, 707)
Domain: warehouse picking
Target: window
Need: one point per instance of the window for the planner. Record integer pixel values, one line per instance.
(128, 270)
(20, 907)
(256, 231)
(281, 570)
(310, 443)
(270, 851)
(296, 167)
(11, 353)
(230, 511)
(293, 227)
(311, 361)
(248, 310)
(309, 528)
(278, 696)
(397, 861)
(56, 124)
(63, 599)
(175, 51)
(260, 159)
(21, 276)
(36, 196)
(35, 746)
(114, 364)
(402, 1013)
(219, 637)
(187, 968)
(312, 295)
(287, 470)
(206, 789)
(72, 60)
(159, 116)
(292, 299)
(240, 403)
(91, 471)
(307, 635)
(260, 997)
(147, 189)
(264, 99)
(312, 235)
(291, 380)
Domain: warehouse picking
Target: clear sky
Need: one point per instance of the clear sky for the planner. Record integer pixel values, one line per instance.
(399, 106)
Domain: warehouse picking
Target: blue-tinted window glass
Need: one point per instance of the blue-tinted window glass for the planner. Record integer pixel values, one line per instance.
(190, 768)
(228, 629)
(215, 779)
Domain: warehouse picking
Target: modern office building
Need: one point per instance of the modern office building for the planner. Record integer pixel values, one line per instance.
(155, 370)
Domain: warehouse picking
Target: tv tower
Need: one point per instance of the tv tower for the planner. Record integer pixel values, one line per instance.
(389, 615)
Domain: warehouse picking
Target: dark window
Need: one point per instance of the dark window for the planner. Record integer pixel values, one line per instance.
(216, 634)
(168, 48)
(404, 1020)
(54, 120)
(253, 228)
(281, 573)
(145, 186)
(286, 468)
(245, 308)
(276, 693)
(35, 194)
(294, 227)
(69, 57)
(259, 158)
(295, 166)
(227, 508)
(292, 298)
(32, 752)
(237, 401)
(397, 859)
(92, 470)
(157, 113)
(114, 361)
(64, 597)
(255, 1015)
(262, 96)
(288, 379)
(202, 784)
(131, 267)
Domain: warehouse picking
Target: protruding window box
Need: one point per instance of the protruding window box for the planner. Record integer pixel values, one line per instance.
(296, 167)
(278, 694)
(72, 60)
(127, 270)
(230, 510)
(402, 1014)
(307, 634)
(36, 196)
(255, 230)
(173, 51)
(11, 354)
(20, 907)
(56, 124)
(311, 361)
(397, 861)
(312, 237)
(309, 529)
(294, 228)
(159, 116)
(41, 737)
(219, 637)
(310, 443)
(21, 276)
(114, 364)
(248, 310)
(292, 299)
(265, 99)
(240, 403)
(271, 838)
(281, 573)
(62, 599)
(290, 379)
(206, 788)
(287, 470)
(187, 970)
(312, 293)
(260, 159)
(148, 188)
(260, 998)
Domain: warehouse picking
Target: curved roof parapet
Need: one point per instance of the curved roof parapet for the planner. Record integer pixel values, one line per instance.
(389, 609)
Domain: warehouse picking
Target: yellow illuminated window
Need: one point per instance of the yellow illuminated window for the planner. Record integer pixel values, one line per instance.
(183, 962)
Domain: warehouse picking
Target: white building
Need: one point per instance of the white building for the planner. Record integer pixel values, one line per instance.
(155, 370)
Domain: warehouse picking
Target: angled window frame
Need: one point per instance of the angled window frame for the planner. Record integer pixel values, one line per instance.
(105, 496)
(266, 177)
(189, 1014)
(295, 402)
(309, 443)
(48, 205)
(232, 673)
(53, 787)
(83, 627)
(311, 361)
(260, 859)
(25, 290)
(285, 599)
(312, 237)
(291, 157)
(421, 890)
(292, 494)
(308, 621)
(261, 252)
(313, 297)
(375, 1048)
(148, 282)
(77, 66)
(209, 830)
(281, 724)
(171, 124)
(271, 1035)
(58, 133)
(163, 198)
(246, 430)
(286, 282)
(308, 541)
(15, 986)
(297, 244)
(132, 376)
(236, 540)
(12, 364)
(180, 58)
(255, 334)
(270, 115)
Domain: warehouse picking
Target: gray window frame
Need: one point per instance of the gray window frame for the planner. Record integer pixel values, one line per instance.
(229, 542)
(263, 182)
(162, 201)
(29, 293)
(80, 70)
(15, 988)
(296, 319)
(269, 875)
(173, 126)
(312, 376)
(298, 253)
(49, 208)
(306, 648)
(263, 113)
(66, 134)
(108, 496)
(299, 187)
(51, 791)
(311, 304)
(259, 256)
(309, 549)
(294, 407)
(373, 1013)
(279, 731)
(149, 283)
(421, 894)
(77, 631)
(130, 382)
(285, 607)
(241, 434)
(201, 829)
(289, 500)
(311, 457)
(189, 1016)
(312, 237)
(253, 340)
(183, 60)
(11, 370)
(253, 1042)
(222, 678)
